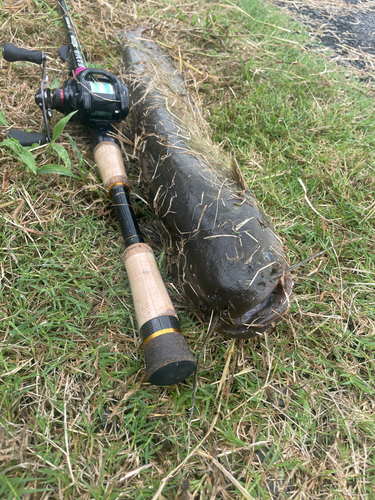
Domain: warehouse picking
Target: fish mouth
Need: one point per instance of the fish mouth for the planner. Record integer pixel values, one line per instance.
(257, 320)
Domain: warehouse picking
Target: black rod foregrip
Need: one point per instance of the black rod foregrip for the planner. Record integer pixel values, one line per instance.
(125, 215)
(12, 53)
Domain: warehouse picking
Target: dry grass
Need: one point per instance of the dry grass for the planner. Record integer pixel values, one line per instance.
(294, 410)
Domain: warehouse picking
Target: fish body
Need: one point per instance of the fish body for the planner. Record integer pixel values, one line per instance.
(223, 250)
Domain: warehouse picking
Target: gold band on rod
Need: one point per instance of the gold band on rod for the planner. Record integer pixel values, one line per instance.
(160, 332)
(120, 183)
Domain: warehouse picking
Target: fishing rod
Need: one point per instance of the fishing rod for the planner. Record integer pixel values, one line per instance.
(101, 99)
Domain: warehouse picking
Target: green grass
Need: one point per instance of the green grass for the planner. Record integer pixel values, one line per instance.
(76, 413)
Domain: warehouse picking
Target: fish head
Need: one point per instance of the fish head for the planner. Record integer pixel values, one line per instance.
(249, 290)
(258, 319)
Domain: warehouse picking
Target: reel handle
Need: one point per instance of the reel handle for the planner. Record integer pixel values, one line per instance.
(12, 53)
(27, 138)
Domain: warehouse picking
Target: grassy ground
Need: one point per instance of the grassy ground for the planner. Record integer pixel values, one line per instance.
(294, 413)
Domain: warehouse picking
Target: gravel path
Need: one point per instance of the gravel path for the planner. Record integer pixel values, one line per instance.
(345, 26)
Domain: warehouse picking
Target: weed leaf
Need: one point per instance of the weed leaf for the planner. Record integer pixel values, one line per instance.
(63, 154)
(59, 127)
(28, 158)
(56, 169)
(244, 68)
(3, 120)
(56, 83)
(12, 144)
(21, 152)
(74, 145)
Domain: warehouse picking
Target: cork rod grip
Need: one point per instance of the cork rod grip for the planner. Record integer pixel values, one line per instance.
(150, 296)
(107, 156)
(168, 357)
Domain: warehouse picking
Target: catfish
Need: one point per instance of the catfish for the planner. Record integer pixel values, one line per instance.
(222, 249)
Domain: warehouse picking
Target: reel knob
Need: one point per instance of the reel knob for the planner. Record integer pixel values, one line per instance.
(12, 53)
(27, 138)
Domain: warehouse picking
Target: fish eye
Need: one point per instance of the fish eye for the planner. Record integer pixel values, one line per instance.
(225, 313)
(268, 256)
(201, 306)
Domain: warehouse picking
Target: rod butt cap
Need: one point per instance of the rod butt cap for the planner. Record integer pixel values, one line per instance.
(168, 359)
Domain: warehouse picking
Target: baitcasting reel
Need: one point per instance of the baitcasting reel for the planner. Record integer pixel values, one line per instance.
(99, 97)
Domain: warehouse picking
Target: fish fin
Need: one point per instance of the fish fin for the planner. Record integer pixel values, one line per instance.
(236, 173)
(151, 230)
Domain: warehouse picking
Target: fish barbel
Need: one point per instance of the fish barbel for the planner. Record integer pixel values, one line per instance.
(223, 250)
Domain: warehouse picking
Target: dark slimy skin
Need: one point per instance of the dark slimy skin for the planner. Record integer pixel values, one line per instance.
(222, 248)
